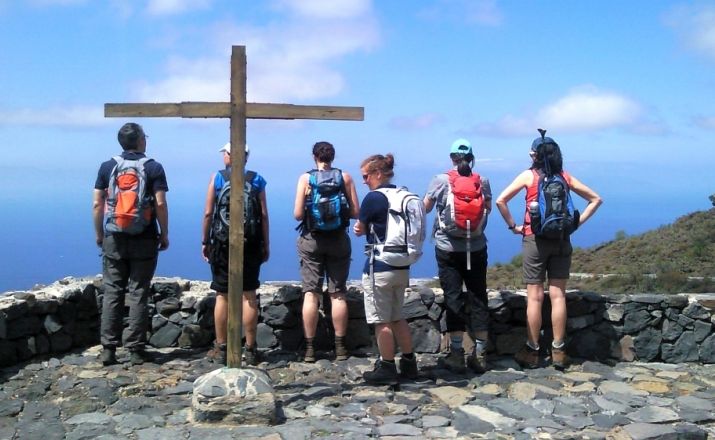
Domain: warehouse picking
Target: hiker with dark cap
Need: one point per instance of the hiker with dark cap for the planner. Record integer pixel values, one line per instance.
(463, 200)
(546, 246)
(215, 247)
(131, 224)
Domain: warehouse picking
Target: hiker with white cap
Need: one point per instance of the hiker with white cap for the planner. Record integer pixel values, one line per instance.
(256, 250)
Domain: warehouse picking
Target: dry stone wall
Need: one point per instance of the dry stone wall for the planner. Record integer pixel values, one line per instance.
(645, 327)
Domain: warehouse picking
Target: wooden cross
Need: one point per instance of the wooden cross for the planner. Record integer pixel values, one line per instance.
(238, 110)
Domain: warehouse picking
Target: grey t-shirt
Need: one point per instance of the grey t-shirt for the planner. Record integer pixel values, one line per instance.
(437, 192)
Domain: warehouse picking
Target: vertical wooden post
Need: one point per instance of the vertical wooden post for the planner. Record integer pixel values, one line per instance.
(238, 163)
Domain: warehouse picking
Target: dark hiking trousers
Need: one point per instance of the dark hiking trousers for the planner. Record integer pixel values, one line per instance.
(470, 308)
(128, 266)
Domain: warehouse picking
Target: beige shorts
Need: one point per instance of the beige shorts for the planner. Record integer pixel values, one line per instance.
(383, 303)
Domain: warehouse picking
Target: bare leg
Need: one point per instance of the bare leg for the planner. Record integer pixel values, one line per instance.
(221, 317)
(339, 312)
(311, 300)
(557, 293)
(535, 299)
(250, 317)
(403, 335)
(385, 341)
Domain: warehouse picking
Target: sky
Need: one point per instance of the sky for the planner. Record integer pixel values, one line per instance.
(626, 89)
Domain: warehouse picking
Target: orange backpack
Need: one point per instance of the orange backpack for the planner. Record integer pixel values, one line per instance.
(129, 209)
(463, 213)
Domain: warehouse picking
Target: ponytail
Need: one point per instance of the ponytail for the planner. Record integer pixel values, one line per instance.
(463, 162)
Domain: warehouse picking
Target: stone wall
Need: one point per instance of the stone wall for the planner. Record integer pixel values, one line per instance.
(646, 327)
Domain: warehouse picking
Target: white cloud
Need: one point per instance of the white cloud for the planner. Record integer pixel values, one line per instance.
(419, 122)
(173, 7)
(482, 12)
(584, 109)
(696, 27)
(326, 9)
(72, 116)
(291, 59)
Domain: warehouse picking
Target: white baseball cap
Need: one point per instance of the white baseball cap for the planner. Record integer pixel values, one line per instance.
(227, 148)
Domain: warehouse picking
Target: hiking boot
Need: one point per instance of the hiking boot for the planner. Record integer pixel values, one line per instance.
(138, 357)
(454, 361)
(477, 362)
(309, 351)
(217, 354)
(108, 356)
(559, 358)
(527, 357)
(384, 373)
(408, 367)
(250, 355)
(341, 352)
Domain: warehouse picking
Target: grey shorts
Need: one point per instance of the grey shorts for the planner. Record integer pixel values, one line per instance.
(383, 303)
(544, 257)
(324, 254)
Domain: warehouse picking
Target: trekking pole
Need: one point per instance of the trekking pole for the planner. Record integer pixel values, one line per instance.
(469, 245)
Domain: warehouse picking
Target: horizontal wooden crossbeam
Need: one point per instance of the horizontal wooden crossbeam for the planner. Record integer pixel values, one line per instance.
(223, 110)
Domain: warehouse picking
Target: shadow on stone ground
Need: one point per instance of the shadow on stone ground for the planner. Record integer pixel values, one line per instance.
(75, 397)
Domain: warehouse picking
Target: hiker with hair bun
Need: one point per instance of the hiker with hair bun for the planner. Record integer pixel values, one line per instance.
(215, 249)
(384, 284)
(548, 220)
(463, 201)
(325, 201)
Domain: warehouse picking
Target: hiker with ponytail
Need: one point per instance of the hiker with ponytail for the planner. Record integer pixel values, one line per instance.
(463, 201)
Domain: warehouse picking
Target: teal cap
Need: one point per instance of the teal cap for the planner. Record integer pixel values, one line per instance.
(461, 146)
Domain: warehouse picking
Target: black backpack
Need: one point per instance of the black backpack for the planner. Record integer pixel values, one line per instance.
(252, 218)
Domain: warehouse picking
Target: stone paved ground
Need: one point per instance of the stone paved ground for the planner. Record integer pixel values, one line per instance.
(74, 397)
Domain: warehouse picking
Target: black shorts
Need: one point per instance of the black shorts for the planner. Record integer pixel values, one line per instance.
(252, 260)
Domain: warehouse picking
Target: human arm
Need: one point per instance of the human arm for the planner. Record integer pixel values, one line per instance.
(98, 199)
(351, 195)
(162, 216)
(208, 216)
(264, 225)
(301, 191)
(520, 182)
(429, 204)
(593, 199)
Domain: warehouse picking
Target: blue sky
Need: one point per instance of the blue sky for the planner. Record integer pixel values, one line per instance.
(626, 88)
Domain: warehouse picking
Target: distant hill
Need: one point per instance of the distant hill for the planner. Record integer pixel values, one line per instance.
(671, 258)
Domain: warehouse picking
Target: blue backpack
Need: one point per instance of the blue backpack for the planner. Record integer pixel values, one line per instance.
(556, 217)
(326, 207)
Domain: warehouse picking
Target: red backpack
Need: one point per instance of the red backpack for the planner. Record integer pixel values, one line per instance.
(463, 213)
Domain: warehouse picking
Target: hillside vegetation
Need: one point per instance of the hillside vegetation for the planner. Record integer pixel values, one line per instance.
(679, 257)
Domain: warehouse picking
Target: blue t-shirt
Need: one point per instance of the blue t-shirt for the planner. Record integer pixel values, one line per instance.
(258, 182)
(373, 215)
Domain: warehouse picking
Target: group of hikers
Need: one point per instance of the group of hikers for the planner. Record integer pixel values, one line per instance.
(131, 224)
